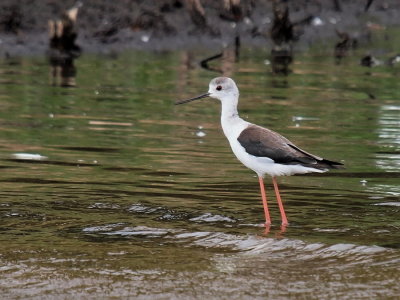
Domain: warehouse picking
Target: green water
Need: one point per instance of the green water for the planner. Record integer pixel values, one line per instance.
(135, 197)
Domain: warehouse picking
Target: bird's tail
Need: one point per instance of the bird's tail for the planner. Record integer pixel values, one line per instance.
(329, 164)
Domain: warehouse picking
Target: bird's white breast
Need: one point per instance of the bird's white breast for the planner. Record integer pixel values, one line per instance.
(232, 128)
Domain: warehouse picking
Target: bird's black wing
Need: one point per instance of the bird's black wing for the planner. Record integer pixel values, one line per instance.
(262, 142)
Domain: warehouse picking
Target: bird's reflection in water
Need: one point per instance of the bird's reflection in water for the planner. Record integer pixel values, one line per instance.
(278, 234)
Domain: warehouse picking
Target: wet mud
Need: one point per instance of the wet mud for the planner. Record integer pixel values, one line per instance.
(111, 26)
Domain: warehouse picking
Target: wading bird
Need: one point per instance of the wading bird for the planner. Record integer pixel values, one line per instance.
(260, 149)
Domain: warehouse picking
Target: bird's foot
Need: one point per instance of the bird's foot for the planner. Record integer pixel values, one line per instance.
(283, 227)
(267, 226)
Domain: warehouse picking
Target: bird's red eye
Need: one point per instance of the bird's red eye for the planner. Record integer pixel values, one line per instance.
(219, 88)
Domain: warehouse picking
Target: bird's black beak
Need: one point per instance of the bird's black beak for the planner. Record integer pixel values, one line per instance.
(192, 99)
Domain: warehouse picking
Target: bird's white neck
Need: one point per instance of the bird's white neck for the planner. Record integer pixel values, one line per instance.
(230, 117)
(229, 109)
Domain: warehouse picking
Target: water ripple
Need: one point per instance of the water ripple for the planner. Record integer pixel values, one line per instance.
(245, 244)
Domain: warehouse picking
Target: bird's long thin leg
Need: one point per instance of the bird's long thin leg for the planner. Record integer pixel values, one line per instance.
(280, 204)
(264, 201)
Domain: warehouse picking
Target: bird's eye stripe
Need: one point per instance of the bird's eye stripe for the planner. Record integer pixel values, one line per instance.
(219, 88)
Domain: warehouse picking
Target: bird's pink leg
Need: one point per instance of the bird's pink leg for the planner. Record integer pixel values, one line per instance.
(264, 201)
(280, 204)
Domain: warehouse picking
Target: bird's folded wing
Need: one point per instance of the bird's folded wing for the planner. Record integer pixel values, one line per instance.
(262, 142)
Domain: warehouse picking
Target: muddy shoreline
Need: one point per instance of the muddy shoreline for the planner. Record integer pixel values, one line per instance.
(107, 27)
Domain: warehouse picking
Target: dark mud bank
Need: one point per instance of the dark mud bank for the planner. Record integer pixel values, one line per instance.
(111, 26)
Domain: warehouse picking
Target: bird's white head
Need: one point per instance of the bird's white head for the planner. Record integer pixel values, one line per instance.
(221, 88)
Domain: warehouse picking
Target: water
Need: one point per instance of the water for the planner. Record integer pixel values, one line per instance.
(109, 190)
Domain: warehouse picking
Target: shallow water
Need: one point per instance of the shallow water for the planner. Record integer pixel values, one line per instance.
(109, 190)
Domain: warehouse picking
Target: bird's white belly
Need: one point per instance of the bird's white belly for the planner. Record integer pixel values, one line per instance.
(265, 165)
